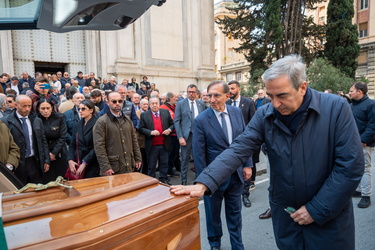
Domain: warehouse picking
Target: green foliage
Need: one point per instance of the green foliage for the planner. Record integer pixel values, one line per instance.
(322, 75)
(364, 79)
(270, 29)
(342, 48)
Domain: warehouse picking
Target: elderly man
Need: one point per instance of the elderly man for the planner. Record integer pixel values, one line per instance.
(72, 116)
(27, 131)
(135, 100)
(214, 130)
(116, 144)
(262, 99)
(204, 98)
(315, 156)
(156, 125)
(141, 138)
(173, 154)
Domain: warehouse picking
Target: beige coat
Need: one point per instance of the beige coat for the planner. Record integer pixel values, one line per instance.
(9, 153)
(140, 137)
(115, 144)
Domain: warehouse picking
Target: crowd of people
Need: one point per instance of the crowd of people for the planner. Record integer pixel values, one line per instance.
(89, 125)
(100, 127)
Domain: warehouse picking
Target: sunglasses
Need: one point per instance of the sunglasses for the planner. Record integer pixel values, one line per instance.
(9, 101)
(82, 109)
(117, 101)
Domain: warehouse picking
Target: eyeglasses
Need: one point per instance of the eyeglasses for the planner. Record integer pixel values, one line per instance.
(82, 109)
(192, 92)
(117, 101)
(214, 95)
(45, 108)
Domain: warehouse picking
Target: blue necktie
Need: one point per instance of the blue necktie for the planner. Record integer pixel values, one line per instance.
(27, 137)
(157, 116)
(234, 103)
(224, 126)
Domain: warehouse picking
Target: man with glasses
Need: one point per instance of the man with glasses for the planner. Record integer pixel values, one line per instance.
(262, 99)
(65, 79)
(213, 132)
(315, 155)
(115, 142)
(186, 111)
(72, 116)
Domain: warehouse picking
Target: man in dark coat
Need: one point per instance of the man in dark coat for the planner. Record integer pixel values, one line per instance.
(214, 129)
(261, 100)
(315, 156)
(364, 114)
(34, 153)
(248, 110)
(156, 125)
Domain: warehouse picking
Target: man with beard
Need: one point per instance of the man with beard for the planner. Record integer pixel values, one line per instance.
(248, 110)
(115, 141)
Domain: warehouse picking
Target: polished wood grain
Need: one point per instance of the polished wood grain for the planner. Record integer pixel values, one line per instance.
(129, 211)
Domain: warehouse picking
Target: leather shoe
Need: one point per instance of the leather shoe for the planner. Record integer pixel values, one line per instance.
(166, 182)
(184, 183)
(246, 201)
(266, 215)
(215, 248)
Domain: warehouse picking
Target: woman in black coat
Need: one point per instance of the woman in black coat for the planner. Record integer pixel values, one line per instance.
(54, 126)
(84, 157)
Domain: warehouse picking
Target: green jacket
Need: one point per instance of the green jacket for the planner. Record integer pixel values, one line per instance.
(116, 144)
(10, 152)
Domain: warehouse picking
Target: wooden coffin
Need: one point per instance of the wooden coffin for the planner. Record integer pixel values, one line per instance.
(128, 211)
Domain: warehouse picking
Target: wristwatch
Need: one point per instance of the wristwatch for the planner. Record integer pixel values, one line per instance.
(10, 166)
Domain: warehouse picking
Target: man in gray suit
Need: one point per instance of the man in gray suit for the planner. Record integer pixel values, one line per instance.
(186, 111)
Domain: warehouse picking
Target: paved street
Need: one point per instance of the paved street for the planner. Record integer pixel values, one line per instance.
(258, 234)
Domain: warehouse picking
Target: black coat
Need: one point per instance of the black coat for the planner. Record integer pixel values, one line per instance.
(146, 126)
(71, 119)
(247, 107)
(86, 150)
(39, 142)
(55, 131)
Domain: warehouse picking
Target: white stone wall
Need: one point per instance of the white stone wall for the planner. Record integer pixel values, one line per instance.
(171, 44)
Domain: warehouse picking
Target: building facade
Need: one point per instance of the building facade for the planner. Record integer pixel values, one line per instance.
(364, 18)
(229, 64)
(172, 45)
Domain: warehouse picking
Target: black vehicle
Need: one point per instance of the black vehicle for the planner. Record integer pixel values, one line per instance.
(69, 15)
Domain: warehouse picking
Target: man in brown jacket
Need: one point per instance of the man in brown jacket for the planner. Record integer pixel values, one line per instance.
(9, 153)
(115, 141)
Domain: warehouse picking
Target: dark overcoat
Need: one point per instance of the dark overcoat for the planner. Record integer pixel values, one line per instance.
(86, 150)
(39, 142)
(319, 166)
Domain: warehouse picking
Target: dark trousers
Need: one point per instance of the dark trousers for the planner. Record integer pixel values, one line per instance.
(233, 206)
(34, 173)
(173, 154)
(158, 153)
(246, 186)
(144, 167)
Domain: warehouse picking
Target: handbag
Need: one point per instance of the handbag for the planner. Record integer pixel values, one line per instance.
(69, 174)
